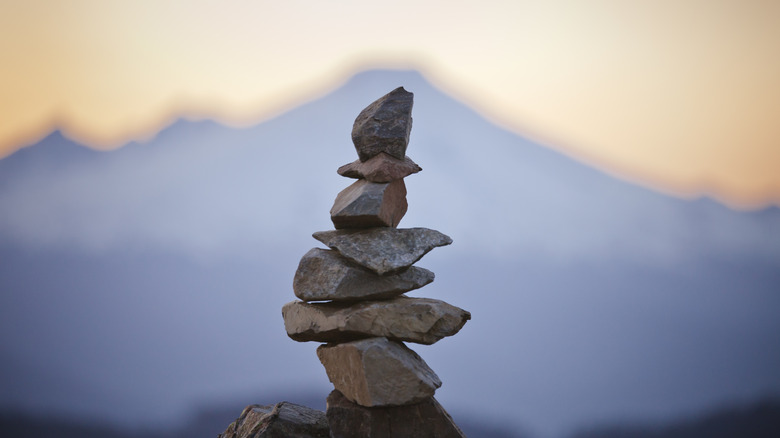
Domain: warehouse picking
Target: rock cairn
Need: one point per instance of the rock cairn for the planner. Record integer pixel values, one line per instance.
(352, 295)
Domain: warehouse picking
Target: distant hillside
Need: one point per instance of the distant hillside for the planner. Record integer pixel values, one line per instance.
(24, 425)
(760, 420)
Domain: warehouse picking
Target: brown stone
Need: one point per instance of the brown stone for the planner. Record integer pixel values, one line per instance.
(278, 421)
(384, 126)
(380, 168)
(365, 204)
(383, 250)
(419, 320)
(426, 419)
(378, 372)
(324, 275)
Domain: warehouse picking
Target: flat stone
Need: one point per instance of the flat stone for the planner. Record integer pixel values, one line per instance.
(276, 421)
(378, 372)
(383, 250)
(324, 275)
(419, 320)
(426, 419)
(365, 204)
(384, 126)
(380, 168)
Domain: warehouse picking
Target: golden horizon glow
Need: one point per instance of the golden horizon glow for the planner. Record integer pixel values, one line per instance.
(680, 96)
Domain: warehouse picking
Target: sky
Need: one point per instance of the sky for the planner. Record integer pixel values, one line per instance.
(681, 96)
(666, 307)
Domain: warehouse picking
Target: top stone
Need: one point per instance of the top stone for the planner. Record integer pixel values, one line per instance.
(384, 126)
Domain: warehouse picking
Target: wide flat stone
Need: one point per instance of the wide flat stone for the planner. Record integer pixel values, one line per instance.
(426, 419)
(280, 420)
(324, 275)
(383, 250)
(365, 204)
(380, 168)
(419, 320)
(378, 372)
(384, 126)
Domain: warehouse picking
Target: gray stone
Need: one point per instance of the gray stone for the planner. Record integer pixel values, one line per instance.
(383, 250)
(419, 320)
(384, 126)
(278, 421)
(378, 372)
(426, 419)
(365, 204)
(325, 275)
(380, 168)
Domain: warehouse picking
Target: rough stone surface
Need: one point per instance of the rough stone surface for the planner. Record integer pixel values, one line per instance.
(380, 168)
(378, 372)
(324, 275)
(278, 421)
(365, 204)
(419, 320)
(426, 419)
(384, 126)
(383, 250)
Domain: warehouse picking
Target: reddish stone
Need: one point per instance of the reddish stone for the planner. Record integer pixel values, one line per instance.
(380, 168)
(365, 205)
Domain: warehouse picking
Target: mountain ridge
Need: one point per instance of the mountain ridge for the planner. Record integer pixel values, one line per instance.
(366, 80)
(459, 150)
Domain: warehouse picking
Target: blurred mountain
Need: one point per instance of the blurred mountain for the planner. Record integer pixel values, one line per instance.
(139, 281)
(756, 420)
(200, 187)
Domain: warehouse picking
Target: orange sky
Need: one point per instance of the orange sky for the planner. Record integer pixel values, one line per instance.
(682, 96)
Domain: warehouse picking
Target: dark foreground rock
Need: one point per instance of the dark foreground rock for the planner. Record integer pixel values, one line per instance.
(426, 419)
(278, 421)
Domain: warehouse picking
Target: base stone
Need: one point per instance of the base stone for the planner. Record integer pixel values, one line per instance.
(378, 372)
(426, 419)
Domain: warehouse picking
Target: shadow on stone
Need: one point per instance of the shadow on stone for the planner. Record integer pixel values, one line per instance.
(426, 419)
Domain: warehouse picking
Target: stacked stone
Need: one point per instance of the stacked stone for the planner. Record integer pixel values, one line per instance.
(353, 294)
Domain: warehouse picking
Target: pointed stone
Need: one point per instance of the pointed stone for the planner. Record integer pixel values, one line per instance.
(380, 168)
(383, 250)
(324, 275)
(384, 126)
(426, 419)
(280, 420)
(365, 204)
(419, 320)
(378, 372)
